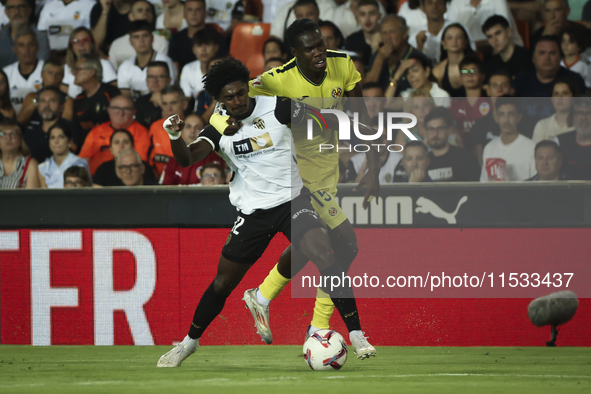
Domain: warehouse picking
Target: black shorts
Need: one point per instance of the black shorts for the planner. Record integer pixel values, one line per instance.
(252, 233)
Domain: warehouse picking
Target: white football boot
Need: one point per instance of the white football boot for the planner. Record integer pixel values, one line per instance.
(260, 314)
(179, 353)
(361, 347)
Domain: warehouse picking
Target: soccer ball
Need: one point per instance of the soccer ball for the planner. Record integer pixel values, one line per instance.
(325, 350)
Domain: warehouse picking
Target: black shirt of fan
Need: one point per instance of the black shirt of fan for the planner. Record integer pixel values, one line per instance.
(146, 112)
(521, 60)
(106, 175)
(117, 24)
(457, 165)
(576, 158)
(38, 141)
(180, 47)
(485, 129)
(92, 111)
(356, 43)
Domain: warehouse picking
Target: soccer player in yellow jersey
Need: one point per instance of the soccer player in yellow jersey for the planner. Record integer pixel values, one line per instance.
(313, 72)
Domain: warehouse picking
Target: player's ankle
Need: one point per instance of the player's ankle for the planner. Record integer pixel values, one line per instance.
(261, 299)
(312, 329)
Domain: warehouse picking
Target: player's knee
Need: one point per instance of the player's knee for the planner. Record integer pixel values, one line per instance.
(222, 285)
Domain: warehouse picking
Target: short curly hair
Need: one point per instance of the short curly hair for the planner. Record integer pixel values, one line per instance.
(223, 73)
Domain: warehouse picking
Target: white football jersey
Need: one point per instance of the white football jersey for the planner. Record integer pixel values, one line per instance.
(191, 79)
(220, 12)
(59, 20)
(109, 75)
(131, 76)
(19, 86)
(262, 157)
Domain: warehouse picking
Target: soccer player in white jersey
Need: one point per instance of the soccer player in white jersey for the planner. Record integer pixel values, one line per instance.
(24, 76)
(267, 190)
(59, 18)
(131, 75)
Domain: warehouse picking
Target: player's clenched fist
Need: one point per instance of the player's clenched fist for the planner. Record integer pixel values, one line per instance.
(173, 126)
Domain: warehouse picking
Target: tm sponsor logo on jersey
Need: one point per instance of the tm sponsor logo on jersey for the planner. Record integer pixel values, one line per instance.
(246, 147)
(344, 131)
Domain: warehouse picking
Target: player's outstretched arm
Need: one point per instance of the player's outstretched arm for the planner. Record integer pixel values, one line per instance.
(183, 154)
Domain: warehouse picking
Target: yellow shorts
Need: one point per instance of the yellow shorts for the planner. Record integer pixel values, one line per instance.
(325, 204)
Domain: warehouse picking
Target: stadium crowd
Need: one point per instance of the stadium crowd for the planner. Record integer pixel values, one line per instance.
(86, 85)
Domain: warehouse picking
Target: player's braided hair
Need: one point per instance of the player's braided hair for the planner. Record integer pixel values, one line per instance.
(298, 28)
(223, 73)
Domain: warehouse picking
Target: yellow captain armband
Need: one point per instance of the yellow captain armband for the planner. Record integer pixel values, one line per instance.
(219, 122)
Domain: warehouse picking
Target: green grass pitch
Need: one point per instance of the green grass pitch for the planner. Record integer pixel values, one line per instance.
(279, 369)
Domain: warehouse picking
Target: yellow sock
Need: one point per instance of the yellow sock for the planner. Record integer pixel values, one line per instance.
(323, 309)
(273, 284)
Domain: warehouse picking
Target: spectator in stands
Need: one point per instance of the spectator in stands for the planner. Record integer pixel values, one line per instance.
(548, 157)
(17, 168)
(367, 40)
(225, 14)
(173, 173)
(195, 14)
(333, 38)
(414, 15)
(172, 19)
(474, 105)
(573, 44)
(52, 169)
(414, 163)
(506, 54)
(509, 157)
(274, 48)
(486, 128)
(130, 168)
(173, 102)
(82, 43)
(418, 73)
(387, 159)
(52, 74)
(447, 163)
(273, 63)
(561, 121)
(205, 104)
(48, 112)
(455, 45)
(58, 19)
(90, 107)
(6, 109)
(19, 15)
(24, 76)
(204, 47)
(556, 15)
(473, 15)
(386, 61)
(131, 76)
(106, 174)
(121, 49)
(109, 21)
(299, 9)
(121, 116)
(149, 106)
(576, 145)
(75, 177)
(419, 103)
(428, 39)
(212, 174)
(546, 59)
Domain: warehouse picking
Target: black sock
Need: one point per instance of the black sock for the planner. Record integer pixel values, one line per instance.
(210, 305)
(343, 298)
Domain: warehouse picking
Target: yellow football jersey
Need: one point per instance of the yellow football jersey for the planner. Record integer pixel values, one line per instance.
(319, 170)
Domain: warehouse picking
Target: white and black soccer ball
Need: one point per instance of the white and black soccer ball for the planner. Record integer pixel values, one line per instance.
(325, 350)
